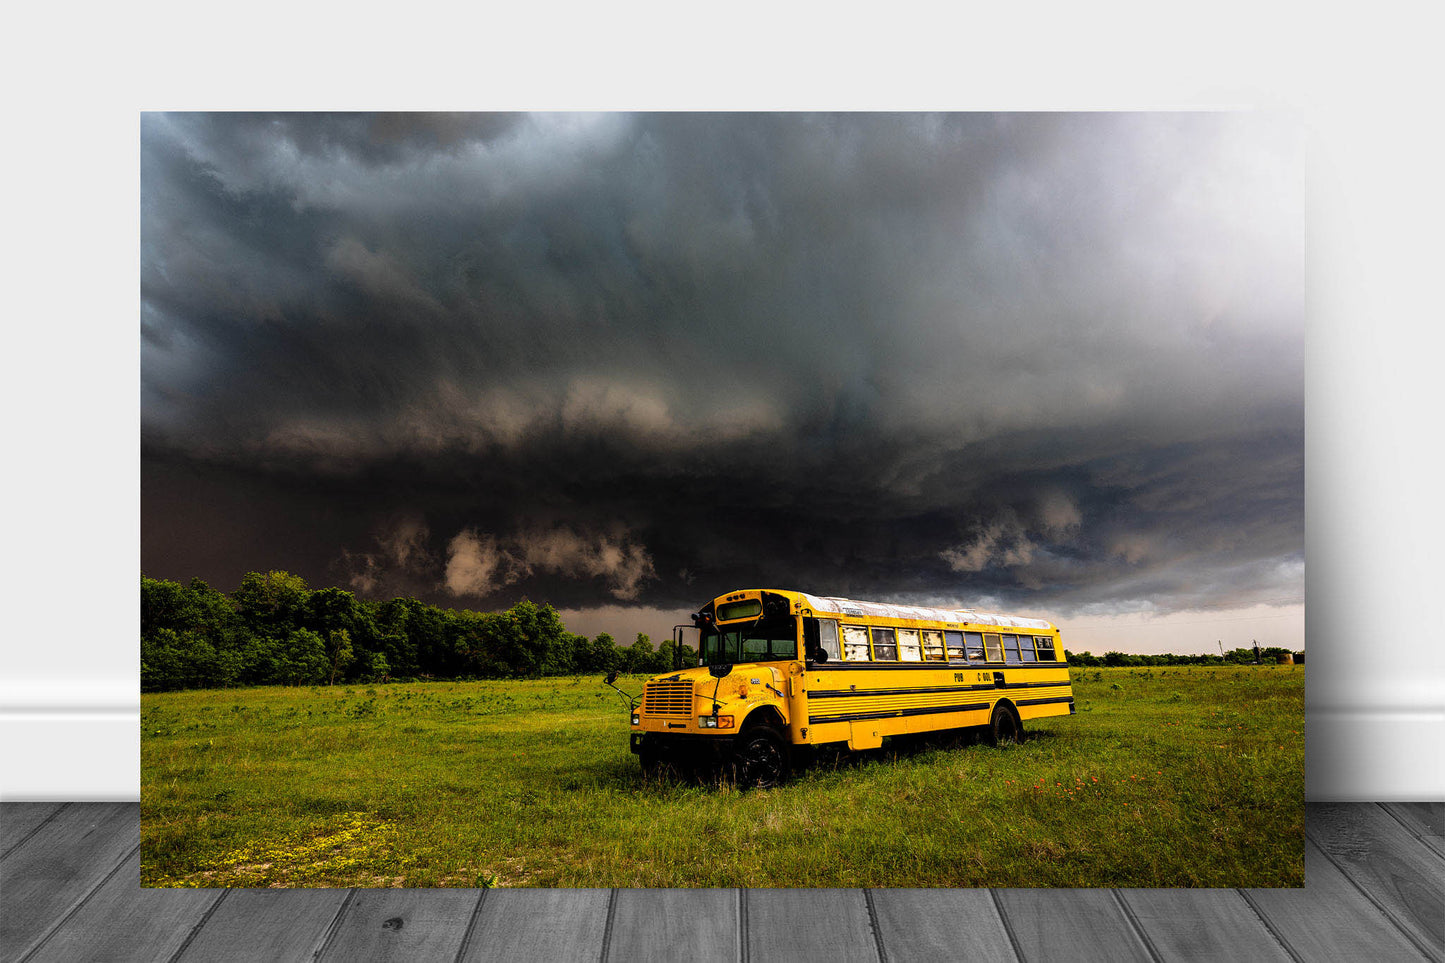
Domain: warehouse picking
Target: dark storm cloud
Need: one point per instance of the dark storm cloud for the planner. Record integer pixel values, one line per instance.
(1043, 359)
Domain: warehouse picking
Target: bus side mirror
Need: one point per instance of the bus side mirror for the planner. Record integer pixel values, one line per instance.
(611, 677)
(719, 671)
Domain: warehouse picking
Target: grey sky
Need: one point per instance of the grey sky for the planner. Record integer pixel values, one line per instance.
(1043, 362)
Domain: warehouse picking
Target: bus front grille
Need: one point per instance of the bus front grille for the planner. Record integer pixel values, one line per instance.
(667, 699)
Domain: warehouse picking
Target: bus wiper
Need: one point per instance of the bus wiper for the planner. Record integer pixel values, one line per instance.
(718, 671)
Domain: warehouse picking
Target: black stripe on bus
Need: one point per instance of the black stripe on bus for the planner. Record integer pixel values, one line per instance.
(895, 713)
(1040, 702)
(913, 666)
(979, 687)
(845, 693)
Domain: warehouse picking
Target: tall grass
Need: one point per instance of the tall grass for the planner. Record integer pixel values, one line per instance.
(1185, 776)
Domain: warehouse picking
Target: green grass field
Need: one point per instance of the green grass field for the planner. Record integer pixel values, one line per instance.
(1172, 776)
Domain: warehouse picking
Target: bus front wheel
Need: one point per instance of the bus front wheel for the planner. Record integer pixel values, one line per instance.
(1004, 726)
(761, 758)
(652, 763)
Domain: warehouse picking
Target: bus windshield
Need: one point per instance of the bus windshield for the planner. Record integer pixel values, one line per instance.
(764, 641)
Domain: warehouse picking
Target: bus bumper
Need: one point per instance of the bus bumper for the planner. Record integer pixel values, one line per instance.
(681, 746)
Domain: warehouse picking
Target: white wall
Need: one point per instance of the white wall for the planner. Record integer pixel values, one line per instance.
(1375, 676)
(1376, 671)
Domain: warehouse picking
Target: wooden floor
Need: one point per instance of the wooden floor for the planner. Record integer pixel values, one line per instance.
(1374, 872)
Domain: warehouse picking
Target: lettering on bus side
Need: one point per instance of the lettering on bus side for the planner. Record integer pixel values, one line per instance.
(977, 677)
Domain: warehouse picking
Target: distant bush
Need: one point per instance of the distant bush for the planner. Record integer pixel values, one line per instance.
(1233, 657)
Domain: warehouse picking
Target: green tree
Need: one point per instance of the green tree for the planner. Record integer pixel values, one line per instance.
(271, 604)
(376, 668)
(637, 657)
(260, 660)
(205, 634)
(302, 659)
(572, 654)
(606, 656)
(392, 620)
(338, 650)
(171, 660)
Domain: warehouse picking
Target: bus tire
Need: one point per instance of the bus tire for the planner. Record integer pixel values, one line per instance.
(761, 758)
(652, 763)
(1004, 726)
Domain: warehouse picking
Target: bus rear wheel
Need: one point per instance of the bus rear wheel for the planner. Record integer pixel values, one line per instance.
(1004, 726)
(761, 758)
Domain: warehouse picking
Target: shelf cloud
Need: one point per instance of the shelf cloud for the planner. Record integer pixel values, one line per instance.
(1050, 360)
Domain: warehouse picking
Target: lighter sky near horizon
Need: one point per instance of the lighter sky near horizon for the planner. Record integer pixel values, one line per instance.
(1182, 633)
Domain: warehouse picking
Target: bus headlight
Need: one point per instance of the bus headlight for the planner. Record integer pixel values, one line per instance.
(636, 719)
(715, 722)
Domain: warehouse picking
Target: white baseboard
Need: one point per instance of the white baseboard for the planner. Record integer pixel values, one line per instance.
(70, 757)
(81, 741)
(1357, 754)
(70, 740)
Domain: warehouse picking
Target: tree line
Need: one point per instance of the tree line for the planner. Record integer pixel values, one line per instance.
(1246, 656)
(275, 630)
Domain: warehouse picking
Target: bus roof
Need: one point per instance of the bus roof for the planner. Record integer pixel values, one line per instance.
(885, 610)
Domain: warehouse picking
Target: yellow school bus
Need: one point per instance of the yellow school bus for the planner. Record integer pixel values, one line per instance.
(779, 672)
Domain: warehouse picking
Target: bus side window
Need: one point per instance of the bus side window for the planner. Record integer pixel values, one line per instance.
(908, 647)
(1011, 648)
(1046, 648)
(828, 638)
(933, 645)
(993, 648)
(954, 641)
(975, 645)
(1026, 648)
(885, 647)
(855, 643)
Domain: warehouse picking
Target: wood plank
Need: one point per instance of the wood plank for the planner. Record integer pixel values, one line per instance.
(1202, 924)
(829, 925)
(1425, 819)
(1388, 864)
(403, 924)
(655, 924)
(1078, 925)
(267, 925)
(940, 924)
(1330, 919)
(21, 819)
(539, 924)
(122, 921)
(59, 866)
